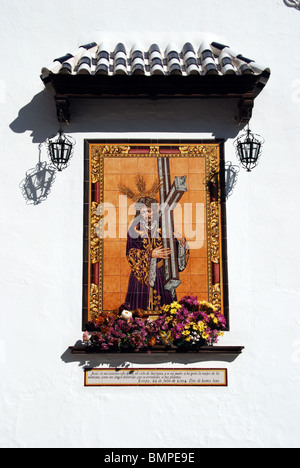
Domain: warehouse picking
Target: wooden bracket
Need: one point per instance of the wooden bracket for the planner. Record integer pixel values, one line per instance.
(245, 109)
(63, 109)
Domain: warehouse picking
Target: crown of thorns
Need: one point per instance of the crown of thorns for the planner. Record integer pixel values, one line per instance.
(141, 189)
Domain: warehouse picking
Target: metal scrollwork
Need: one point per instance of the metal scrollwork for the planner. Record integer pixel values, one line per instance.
(292, 4)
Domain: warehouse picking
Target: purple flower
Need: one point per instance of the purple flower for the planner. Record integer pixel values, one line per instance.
(190, 302)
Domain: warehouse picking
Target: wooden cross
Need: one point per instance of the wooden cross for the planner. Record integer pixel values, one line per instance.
(170, 195)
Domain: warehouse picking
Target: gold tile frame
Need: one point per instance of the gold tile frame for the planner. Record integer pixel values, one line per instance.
(213, 152)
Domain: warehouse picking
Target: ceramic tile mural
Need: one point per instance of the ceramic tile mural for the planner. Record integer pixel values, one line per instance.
(197, 218)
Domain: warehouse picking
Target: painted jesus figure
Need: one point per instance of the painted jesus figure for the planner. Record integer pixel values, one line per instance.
(146, 255)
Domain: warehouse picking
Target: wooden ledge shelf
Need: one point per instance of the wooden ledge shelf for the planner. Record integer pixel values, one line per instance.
(245, 88)
(212, 350)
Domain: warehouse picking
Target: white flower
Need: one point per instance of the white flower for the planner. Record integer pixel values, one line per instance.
(86, 337)
(126, 315)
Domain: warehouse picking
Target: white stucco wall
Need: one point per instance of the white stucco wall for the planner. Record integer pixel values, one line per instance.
(43, 402)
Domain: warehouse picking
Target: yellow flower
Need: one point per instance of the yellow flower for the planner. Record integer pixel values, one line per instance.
(201, 326)
(205, 336)
(207, 306)
(214, 318)
(169, 335)
(166, 337)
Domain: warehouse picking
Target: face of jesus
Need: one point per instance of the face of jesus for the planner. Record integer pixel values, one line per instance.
(147, 214)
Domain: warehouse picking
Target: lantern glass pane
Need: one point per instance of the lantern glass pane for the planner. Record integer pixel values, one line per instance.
(256, 151)
(66, 152)
(247, 151)
(60, 153)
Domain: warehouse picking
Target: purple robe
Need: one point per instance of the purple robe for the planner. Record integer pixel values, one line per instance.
(146, 283)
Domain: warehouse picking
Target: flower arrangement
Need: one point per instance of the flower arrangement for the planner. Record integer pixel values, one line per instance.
(186, 325)
(191, 324)
(123, 332)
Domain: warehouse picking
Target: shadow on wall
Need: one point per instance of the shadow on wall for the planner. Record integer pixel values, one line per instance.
(38, 182)
(124, 360)
(217, 118)
(39, 117)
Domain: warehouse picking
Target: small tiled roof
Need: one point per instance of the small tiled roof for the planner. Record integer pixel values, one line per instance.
(205, 59)
(208, 70)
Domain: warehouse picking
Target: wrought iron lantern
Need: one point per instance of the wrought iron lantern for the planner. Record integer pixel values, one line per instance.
(248, 149)
(293, 4)
(60, 150)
